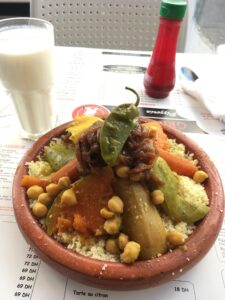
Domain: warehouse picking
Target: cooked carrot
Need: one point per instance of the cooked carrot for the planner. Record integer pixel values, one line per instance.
(161, 139)
(28, 181)
(71, 169)
(178, 164)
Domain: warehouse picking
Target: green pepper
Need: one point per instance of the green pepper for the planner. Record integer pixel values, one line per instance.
(116, 129)
(179, 207)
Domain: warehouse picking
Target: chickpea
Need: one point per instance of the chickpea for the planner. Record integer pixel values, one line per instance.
(112, 247)
(130, 253)
(122, 171)
(52, 189)
(112, 226)
(115, 204)
(45, 199)
(175, 237)
(68, 198)
(34, 191)
(99, 232)
(157, 197)
(106, 214)
(122, 240)
(200, 176)
(39, 210)
(152, 131)
(64, 182)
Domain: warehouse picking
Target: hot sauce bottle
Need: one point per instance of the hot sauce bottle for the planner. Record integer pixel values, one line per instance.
(160, 75)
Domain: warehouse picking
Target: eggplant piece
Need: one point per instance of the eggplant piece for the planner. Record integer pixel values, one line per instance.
(141, 220)
(179, 207)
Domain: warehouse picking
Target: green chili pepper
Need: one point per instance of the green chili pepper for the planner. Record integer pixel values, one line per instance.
(116, 129)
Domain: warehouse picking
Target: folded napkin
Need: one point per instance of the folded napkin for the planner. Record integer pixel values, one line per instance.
(210, 92)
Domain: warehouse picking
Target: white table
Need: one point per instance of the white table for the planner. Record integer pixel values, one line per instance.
(81, 80)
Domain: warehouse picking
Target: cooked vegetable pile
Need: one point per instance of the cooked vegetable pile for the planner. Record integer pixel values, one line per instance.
(117, 189)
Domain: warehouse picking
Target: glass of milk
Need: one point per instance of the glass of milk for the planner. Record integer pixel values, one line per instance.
(27, 72)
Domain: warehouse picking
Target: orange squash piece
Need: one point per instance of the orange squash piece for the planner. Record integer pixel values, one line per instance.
(92, 193)
(64, 224)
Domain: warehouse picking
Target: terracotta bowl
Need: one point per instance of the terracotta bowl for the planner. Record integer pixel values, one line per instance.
(117, 276)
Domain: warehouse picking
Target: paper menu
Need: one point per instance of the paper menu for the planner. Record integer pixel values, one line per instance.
(26, 277)
(82, 78)
(115, 71)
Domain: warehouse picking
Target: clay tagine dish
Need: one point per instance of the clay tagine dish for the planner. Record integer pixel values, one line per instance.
(54, 224)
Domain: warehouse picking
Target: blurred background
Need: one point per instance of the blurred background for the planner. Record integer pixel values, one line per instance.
(124, 24)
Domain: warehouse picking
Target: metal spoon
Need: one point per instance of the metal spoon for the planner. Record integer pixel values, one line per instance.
(187, 74)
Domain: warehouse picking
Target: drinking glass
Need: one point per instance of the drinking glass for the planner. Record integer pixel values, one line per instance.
(27, 72)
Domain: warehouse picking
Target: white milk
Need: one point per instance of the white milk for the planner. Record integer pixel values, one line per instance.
(26, 71)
